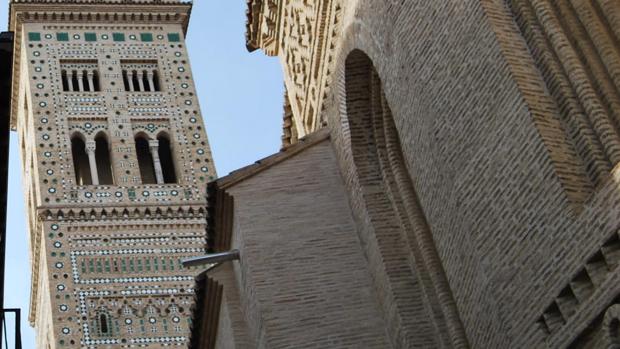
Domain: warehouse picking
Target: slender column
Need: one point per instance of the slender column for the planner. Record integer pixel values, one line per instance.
(91, 83)
(91, 146)
(70, 80)
(141, 81)
(154, 147)
(130, 80)
(149, 76)
(80, 79)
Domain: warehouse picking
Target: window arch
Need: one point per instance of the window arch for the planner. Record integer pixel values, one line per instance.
(102, 158)
(81, 165)
(103, 322)
(145, 160)
(397, 219)
(166, 159)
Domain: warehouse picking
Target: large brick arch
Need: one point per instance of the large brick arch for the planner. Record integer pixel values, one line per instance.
(415, 295)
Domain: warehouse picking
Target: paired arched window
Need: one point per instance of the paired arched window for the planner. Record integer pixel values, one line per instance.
(91, 160)
(155, 159)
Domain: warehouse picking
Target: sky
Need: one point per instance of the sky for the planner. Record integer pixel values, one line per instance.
(241, 97)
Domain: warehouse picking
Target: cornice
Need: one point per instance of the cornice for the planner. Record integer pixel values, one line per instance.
(190, 216)
(105, 10)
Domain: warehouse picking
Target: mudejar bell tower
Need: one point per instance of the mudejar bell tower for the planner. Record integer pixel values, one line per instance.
(115, 159)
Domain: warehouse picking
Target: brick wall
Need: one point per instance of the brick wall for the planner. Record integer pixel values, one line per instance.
(493, 168)
(302, 279)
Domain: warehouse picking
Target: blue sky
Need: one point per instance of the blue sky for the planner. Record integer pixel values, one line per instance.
(241, 101)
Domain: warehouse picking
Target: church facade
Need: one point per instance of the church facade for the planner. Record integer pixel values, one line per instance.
(115, 159)
(448, 178)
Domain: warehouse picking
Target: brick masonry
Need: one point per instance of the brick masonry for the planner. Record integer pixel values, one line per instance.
(302, 281)
(506, 114)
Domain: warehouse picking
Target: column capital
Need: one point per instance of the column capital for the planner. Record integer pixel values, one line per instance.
(153, 143)
(91, 146)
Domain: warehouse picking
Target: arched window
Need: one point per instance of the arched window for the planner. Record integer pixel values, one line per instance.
(103, 324)
(80, 161)
(165, 157)
(397, 220)
(102, 157)
(145, 160)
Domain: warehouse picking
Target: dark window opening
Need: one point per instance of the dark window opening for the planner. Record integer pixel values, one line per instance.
(140, 75)
(96, 81)
(125, 80)
(102, 156)
(103, 324)
(74, 80)
(156, 84)
(85, 81)
(80, 162)
(145, 81)
(165, 157)
(145, 161)
(65, 81)
(134, 81)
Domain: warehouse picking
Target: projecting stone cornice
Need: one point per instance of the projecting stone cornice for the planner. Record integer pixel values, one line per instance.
(108, 11)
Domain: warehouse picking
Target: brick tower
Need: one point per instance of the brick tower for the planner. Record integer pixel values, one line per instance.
(115, 158)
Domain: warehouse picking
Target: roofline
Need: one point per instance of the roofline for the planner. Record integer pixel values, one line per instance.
(272, 160)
